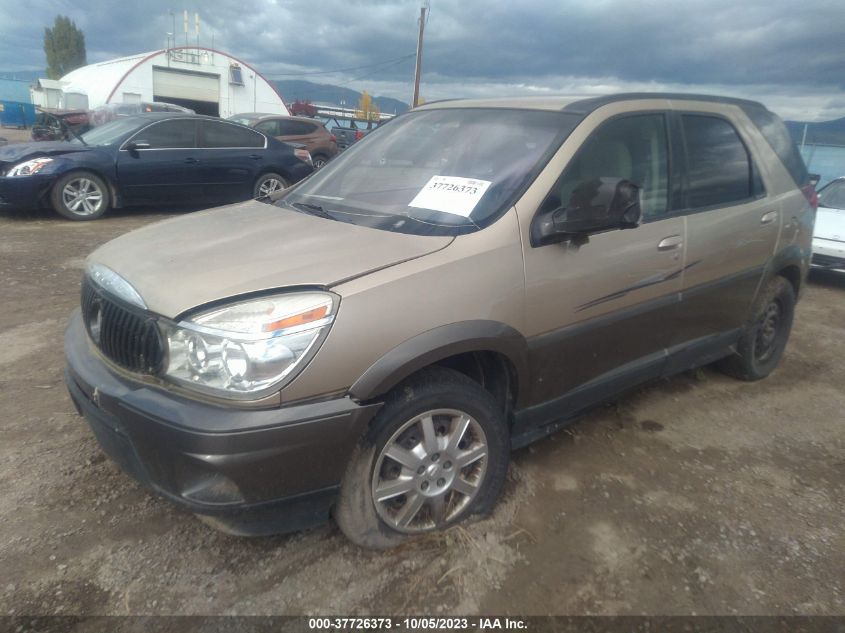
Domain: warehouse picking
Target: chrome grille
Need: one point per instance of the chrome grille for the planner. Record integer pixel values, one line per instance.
(127, 336)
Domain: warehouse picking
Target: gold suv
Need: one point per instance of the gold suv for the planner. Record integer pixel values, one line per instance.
(373, 343)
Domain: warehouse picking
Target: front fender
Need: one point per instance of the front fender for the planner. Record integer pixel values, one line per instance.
(437, 344)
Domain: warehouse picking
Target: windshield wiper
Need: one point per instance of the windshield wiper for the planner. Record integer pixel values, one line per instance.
(312, 209)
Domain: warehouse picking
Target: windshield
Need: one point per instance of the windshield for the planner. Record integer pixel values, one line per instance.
(243, 120)
(112, 132)
(436, 172)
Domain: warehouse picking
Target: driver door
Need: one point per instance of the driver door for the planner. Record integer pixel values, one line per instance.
(167, 171)
(599, 310)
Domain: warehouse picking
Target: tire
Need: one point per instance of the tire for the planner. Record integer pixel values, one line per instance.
(764, 338)
(466, 423)
(80, 195)
(267, 184)
(319, 161)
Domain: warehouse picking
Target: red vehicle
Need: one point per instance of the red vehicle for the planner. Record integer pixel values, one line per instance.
(59, 125)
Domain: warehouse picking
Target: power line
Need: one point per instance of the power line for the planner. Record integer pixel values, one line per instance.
(367, 75)
(341, 70)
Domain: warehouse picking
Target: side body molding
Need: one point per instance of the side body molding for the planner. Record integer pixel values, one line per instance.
(439, 343)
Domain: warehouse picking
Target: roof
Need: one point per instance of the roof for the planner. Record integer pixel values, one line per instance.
(98, 80)
(581, 104)
(52, 84)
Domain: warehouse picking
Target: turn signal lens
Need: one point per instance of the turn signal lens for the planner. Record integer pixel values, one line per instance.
(309, 316)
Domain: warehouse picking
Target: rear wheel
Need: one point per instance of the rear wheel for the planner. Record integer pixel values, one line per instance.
(80, 196)
(267, 184)
(319, 161)
(764, 339)
(436, 453)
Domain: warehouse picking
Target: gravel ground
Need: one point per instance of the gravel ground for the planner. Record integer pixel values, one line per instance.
(699, 494)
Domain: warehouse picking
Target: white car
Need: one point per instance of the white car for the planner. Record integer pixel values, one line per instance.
(829, 234)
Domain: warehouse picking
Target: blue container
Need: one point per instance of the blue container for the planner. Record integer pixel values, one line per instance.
(16, 114)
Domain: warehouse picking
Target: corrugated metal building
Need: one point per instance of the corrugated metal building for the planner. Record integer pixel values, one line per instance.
(206, 80)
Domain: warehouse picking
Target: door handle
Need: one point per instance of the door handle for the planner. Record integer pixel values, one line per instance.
(670, 243)
(191, 160)
(255, 156)
(768, 218)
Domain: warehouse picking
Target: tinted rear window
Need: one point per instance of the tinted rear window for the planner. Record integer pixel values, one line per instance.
(776, 134)
(718, 163)
(214, 134)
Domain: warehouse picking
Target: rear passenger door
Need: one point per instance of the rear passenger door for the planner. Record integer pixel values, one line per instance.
(232, 157)
(732, 229)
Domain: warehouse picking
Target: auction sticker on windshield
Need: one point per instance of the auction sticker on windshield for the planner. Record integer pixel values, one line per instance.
(451, 194)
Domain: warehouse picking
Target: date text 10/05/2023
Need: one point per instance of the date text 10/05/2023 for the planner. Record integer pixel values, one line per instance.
(415, 624)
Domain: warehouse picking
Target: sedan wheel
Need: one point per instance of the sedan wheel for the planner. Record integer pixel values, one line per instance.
(430, 470)
(267, 184)
(80, 196)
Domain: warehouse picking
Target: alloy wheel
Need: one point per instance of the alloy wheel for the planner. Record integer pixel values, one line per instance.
(430, 470)
(82, 196)
(269, 186)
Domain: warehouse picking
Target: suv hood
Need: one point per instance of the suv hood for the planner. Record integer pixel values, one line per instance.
(180, 264)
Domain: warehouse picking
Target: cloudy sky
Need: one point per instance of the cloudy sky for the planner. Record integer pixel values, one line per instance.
(789, 55)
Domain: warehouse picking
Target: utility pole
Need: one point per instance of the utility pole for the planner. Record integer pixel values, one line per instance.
(419, 59)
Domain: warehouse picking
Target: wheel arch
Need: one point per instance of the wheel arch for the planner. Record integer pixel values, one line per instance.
(792, 263)
(487, 351)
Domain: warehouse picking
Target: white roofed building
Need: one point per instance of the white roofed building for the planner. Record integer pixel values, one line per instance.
(203, 79)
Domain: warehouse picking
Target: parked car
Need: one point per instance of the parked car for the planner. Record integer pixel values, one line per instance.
(348, 131)
(111, 111)
(374, 343)
(59, 125)
(148, 158)
(293, 129)
(829, 234)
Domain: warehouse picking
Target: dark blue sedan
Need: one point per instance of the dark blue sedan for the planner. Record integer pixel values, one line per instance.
(148, 159)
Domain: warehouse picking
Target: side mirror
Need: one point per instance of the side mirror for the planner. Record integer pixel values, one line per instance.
(601, 204)
(134, 146)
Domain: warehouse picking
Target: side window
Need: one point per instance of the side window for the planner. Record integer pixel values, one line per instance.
(833, 196)
(719, 167)
(630, 148)
(214, 134)
(173, 134)
(293, 128)
(270, 127)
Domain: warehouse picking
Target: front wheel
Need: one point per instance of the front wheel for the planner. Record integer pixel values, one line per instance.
(80, 196)
(764, 338)
(267, 184)
(436, 453)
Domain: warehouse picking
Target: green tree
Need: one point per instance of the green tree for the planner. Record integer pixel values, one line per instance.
(366, 108)
(64, 46)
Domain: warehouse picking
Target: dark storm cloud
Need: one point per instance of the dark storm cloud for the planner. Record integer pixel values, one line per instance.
(738, 43)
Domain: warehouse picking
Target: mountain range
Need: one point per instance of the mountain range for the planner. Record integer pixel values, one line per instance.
(293, 89)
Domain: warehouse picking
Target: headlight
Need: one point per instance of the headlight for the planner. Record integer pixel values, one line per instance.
(29, 167)
(243, 348)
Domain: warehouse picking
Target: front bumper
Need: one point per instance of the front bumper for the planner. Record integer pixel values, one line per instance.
(828, 254)
(24, 192)
(253, 471)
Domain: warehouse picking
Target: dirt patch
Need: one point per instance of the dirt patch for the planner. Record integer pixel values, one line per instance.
(699, 494)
